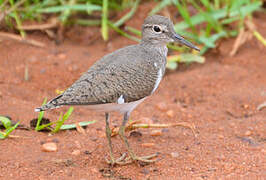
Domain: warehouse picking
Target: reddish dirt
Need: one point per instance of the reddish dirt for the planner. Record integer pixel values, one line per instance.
(219, 97)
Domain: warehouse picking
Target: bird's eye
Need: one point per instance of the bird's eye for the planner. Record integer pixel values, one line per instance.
(157, 28)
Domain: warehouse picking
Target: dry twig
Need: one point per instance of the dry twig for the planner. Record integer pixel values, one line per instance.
(261, 106)
(52, 24)
(4, 35)
(136, 125)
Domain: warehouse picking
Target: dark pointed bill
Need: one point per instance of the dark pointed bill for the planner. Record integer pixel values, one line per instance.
(181, 40)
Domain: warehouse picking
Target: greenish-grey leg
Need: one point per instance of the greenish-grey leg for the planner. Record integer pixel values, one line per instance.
(130, 150)
(108, 135)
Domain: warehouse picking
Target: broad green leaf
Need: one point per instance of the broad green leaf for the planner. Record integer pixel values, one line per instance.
(189, 57)
(5, 121)
(172, 65)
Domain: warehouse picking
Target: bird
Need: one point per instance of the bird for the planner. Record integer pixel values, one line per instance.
(123, 79)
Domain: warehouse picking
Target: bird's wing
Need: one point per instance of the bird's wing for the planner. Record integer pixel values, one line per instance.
(130, 75)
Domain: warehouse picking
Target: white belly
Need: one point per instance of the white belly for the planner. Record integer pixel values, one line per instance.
(122, 108)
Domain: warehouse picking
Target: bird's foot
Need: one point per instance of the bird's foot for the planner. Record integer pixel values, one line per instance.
(144, 159)
(120, 161)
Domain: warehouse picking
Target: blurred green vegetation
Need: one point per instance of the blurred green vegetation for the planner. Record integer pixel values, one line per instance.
(203, 22)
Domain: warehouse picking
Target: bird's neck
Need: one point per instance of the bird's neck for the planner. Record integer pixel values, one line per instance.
(160, 47)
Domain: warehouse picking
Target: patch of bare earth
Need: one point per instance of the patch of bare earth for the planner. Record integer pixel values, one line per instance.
(219, 97)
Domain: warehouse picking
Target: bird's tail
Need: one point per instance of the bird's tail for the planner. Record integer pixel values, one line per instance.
(54, 103)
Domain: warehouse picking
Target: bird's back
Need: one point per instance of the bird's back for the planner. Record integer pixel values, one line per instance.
(131, 72)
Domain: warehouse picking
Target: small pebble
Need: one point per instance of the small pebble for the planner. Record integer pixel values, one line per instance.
(157, 132)
(248, 133)
(245, 106)
(146, 120)
(170, 113)
(147, 145)
(49, 147)
(174, 154)
(78, 145)
(61, 56)
(161, 106)
(76, 152)
(221, 136)
(145, 171)
(135, 134)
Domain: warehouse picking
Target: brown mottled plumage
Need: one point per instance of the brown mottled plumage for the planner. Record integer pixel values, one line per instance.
(121, 80)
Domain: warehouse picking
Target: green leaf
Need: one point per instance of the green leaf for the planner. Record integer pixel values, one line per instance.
(172, 65)
(73, 126)
(5, 121)
(2, 135)
(10, 129)
(189, 57)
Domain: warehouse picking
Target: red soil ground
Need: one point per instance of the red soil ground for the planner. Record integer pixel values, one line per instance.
(219, 97)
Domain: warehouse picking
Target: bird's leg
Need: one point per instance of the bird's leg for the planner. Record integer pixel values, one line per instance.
(108, 135)
(132, 155)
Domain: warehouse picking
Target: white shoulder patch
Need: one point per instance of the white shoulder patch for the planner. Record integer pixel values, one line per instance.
(158, 80)
(121, 100)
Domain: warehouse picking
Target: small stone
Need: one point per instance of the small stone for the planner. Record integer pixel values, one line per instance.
(135, 134)
(156, 132)
(161, 106)
(78, 145)
(248, 133)
(49, 147)
(221, 136)
(245, 106)
(145, 171)
(170, 113)
(76, 152)
(147, 145)
(174, 154)
(61, 56)
(146, 120)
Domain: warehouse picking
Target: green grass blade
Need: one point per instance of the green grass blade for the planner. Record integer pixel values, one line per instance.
(133, 30)
(62, 120)
(87, 22)
(10, 129)
(40, 116)
(160, 6)
(122, 32)
(185, 14)
(128, 15)
(73, 126)
(104, 24)
(218, 14)
(76, 7)
(2, 135)
(17, 19)
(43, 126)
